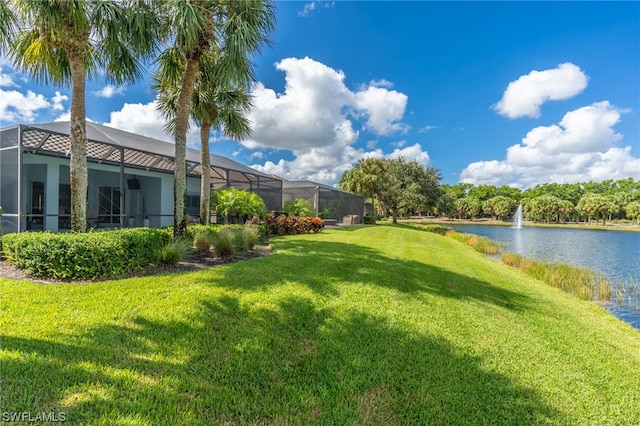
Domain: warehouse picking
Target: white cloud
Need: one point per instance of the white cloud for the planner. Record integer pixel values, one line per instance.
(427, 128)
(384, 108)
(307, 9)
(24, 107)
(314, 118)
(582, 147)
(66, 116)
(18, 107)
(525, 95)
(58, 99)
(411, 153)
(314, 5)
(109, 91)
(144, 119)
(381, 83)
(6, 80)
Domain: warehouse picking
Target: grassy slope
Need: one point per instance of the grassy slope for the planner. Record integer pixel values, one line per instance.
(371, 325)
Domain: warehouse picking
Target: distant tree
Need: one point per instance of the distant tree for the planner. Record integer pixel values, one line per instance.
(632, 210)
(499, 206)
(482, 192)
(543, 207)
(445, 206)
(408, 185)
(364, 179)
(510, 191)
(460, 190)
(467, 207)
(571, 192)
(602, 187)
(593, 204)
(565, 209)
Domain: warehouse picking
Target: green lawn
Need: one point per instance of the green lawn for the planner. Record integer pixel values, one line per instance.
(361, 325)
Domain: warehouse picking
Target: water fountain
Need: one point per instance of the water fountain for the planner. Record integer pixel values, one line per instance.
(517, 219)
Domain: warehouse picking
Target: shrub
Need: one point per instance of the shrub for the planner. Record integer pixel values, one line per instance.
(225, 242)
(88, 255)
(369, 220)
(241, 203)
(250, 234)
(289, 225)
(174, 251)
(202, 240)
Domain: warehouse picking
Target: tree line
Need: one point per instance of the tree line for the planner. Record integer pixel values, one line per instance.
(399, 188)
(201, 53)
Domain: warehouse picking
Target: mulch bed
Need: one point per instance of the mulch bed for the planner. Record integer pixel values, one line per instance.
(196, 261)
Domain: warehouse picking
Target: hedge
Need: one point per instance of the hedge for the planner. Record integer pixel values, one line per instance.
(90, 255)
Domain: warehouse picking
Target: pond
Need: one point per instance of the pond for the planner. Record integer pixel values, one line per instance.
(614, 253)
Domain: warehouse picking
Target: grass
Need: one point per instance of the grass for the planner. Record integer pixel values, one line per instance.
(479, 243)
(626, 293)
(581, 282)
(357, 325)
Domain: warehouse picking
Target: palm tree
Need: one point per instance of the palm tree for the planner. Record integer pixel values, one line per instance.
(236, 29)
(218, 104)
(64, 42)
(364, 179)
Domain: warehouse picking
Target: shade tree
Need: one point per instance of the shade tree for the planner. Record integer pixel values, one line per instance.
(408, 186)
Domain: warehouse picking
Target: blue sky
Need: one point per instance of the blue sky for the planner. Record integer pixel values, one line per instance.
(513, 93)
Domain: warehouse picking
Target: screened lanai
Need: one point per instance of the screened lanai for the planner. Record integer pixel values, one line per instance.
(130, 178)
(331, 204)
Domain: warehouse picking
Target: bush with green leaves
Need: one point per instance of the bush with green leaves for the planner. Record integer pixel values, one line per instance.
(88, 255)
(241, 203)
(298, 207)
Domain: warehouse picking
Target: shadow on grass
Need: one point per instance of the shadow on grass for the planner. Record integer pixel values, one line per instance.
(287, 363)
(323, 265)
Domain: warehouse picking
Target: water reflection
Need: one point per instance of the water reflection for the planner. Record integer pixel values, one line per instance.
(614, 253)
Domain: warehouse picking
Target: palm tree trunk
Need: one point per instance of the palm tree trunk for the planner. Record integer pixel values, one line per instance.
(78, 177)
(205, 181)
(182, 125)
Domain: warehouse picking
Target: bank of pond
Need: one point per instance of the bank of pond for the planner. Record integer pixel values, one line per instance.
(591, 264)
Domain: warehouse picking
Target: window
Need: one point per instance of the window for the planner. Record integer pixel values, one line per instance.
(109, 204)
(193, 205)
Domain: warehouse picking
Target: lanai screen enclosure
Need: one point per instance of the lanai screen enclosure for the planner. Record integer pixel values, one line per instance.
(130, 178)
(331, 204)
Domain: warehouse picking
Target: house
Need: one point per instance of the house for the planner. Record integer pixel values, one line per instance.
(130, 178)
